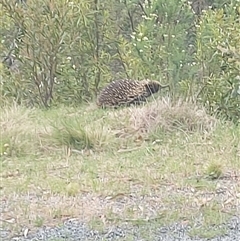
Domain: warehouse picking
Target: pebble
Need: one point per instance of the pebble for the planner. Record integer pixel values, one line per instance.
(74, 230)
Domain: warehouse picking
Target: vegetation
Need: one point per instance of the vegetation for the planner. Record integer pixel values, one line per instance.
(181, 150)
(170, 153)
(193, 46)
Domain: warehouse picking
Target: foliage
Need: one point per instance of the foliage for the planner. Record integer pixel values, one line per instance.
(218, 59)
(47, 32)
(65, 51)
(68, 50)
(159, 40)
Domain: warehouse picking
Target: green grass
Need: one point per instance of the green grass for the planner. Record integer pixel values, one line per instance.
(98, 165)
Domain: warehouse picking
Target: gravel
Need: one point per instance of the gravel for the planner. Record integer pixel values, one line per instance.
(74, 230)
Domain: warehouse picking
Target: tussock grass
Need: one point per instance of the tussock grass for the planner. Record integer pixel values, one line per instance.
(71, 133)
(18, 132)
(171, 116)
(161, 119)
(81, 134)
(105, 165)
(214, 170)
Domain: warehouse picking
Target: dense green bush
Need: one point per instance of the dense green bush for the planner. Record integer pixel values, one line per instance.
(68, 50)
(218, 56)
(56, 51)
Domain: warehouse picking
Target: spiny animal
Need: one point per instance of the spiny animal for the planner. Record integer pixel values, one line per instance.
(126, 92)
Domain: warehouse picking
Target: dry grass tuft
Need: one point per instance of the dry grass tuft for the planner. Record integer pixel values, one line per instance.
(171, 116)
(18, 131)
(13, 116)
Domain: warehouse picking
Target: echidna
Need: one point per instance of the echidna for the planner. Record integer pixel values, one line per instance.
(126, 92)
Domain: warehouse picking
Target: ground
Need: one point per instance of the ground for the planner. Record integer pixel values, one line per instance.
(163, 162)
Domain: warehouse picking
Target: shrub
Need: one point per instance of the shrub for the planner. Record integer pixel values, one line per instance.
(56, 49)
(218, 59)
(66, 50)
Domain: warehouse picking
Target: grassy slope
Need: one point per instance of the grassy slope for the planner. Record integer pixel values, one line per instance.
(155, 163)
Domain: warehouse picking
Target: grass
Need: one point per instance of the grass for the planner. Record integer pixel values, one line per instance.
(214, 170)
(111, 166)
